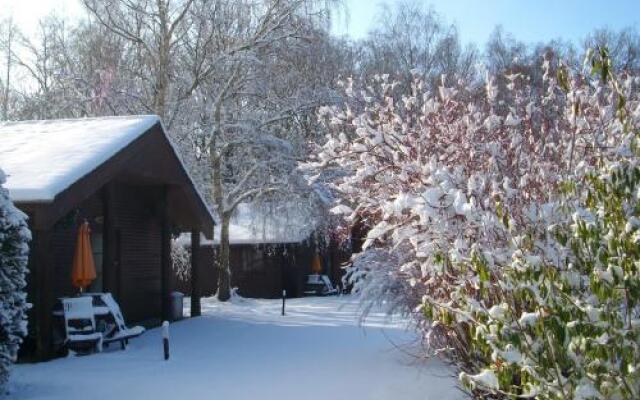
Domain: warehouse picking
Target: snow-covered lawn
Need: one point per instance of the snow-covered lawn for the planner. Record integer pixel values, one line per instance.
(246, 350)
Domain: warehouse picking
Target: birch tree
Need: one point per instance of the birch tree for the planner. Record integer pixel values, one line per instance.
(155, 29)
(412, 37)
(248, 123)
(9, 35)
(210, 70)
(38, 61)
(70, 70)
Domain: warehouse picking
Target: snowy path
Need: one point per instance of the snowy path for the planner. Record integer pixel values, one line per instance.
(245, 350)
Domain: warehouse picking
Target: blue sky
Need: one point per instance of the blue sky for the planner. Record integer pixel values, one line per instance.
(527, 20)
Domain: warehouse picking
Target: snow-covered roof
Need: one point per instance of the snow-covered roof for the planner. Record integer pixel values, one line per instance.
(280, 223)
(43, 158)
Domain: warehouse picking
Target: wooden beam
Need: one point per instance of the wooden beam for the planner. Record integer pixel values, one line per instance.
(165, 263)
(195, 274)
(282, 258)
(109, 261)
(44, 267)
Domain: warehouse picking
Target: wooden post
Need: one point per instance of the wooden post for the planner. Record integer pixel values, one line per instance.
(165, 339)
(109, 243)
(117, 263)
(165, 267)
(284, 296)
(195, 274)
(282, 258)
(44, 264)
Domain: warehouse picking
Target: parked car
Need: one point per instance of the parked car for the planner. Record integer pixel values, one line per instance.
(319, 285)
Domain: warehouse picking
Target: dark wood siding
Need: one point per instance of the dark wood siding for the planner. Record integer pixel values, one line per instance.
(135, 279)
(64, 241)
(257, 271)
(138, 225)
(138, 231)
(129, 199)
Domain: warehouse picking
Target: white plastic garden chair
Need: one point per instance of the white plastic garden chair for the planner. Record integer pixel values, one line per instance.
(80, 325)
(121, 333)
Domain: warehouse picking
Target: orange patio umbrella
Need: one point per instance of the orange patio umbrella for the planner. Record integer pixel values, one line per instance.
(316, 265)
(84, 269)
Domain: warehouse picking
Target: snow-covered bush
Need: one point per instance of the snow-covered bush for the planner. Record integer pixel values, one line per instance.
(181, 260)
(14, 250)
(374, 277)
(565, 320)
(566, 323)
(459, 188)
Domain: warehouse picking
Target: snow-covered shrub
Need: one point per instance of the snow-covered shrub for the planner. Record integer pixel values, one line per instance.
(181, 260)
(456, 186)
(565, 320)
(566, 323)
(14, 250)
(373, 276)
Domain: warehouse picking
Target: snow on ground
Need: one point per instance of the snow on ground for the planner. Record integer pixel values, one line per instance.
(245, 350)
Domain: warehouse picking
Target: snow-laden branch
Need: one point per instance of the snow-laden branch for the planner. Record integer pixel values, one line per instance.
(461, 200)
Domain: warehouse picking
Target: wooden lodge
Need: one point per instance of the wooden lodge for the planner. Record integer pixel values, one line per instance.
(258, 270)
(269, 252)
(123, 176)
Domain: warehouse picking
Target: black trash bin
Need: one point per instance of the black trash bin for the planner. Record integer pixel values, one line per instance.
(177, 300)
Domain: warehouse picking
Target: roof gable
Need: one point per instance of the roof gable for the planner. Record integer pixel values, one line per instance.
(43, 158)
(53, 165)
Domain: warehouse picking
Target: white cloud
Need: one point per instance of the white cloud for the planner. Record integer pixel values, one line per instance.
(27, 13)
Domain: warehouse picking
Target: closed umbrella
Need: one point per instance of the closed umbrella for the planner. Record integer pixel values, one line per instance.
(316, 265)
(84, 269)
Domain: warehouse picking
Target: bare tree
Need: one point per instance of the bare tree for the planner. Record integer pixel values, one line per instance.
(8, 35)
(250, 109)
(213, 70)
(623, 46)
(41, 60)
(413, 39)
(155, 28)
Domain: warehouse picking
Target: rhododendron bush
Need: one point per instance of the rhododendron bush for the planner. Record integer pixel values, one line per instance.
(503, 220)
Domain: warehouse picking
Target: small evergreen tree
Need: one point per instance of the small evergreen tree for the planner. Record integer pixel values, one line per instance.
(14, 250)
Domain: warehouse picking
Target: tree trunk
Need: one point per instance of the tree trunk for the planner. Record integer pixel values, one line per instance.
(224, 272)
(7, 81)
(196, 310)
(162, 67)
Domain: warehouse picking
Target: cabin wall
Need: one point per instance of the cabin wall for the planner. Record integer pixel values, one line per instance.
(134, 200)
(338, 257)
(64, 242)
(136, 272)
(134, 275)
(138, 226)
(50, 272)
(257, 271)
(208, 277)
(302, 261)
